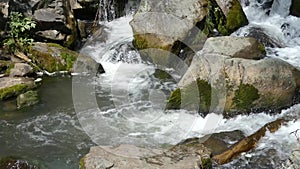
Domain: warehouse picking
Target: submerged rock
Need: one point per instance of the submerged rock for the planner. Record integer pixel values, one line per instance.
(188, 155)
(27, 99)
(218, 81)
(14, 163)
(10, 87)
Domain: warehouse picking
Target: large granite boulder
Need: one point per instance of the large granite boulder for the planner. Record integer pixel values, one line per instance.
(226, 77)
(188, 155)
(159, 24)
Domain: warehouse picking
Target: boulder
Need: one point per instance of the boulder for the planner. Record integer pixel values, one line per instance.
(224, 81)
(189, 154)
(10, 87)
(295, 8)
(161, 24)
(27, 99)
(20, 70)
(53, 57)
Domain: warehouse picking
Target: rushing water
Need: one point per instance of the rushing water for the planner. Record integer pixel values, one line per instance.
(130, 99)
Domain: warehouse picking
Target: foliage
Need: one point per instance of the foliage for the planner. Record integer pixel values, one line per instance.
(18, 37)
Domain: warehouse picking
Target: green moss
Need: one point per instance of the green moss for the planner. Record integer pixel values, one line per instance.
(175, 100)
(196, 96)
(148, 40)
(216, 19)
(27, 99)
(10, 66)
(245, 96)
(69, 59)
(81, 163)
(206, 163)
(236, 17)
(13, 91)
(262, 48)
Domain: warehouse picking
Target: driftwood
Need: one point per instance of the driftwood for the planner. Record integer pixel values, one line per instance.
(248, 143)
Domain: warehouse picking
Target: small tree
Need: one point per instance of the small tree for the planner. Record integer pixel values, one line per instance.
(18, 37)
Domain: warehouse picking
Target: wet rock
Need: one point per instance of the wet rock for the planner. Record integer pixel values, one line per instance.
(249, 142)
(218, 82)
(14, 163)
(187, 155)
(20, 70)
(295, 8)
(217, 143)
(87, 65)
(263, 37)
(10, 87)
(27, 99)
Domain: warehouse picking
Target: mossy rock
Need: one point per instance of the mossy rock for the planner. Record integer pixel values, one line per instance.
(11, 87)
(53, 57)
(27, 99)
(245, 96)
(225, 23)
(195, 96)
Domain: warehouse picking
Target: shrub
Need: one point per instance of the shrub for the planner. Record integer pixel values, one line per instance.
(18, 37)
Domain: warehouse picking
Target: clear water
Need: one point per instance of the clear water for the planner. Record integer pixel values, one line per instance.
(126, 105)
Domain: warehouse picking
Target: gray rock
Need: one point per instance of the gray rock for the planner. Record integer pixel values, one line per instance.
(21, 69)
(167, 21)
(52, 35)
(220, 83)
(188, 155)
(27, 99)
(235, 47)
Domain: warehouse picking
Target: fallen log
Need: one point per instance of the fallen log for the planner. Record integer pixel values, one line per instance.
(249, 142)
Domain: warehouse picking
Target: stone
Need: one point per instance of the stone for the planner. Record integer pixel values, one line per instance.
(189, 154)
(11, 87)
(27, 99)
(20, 70)
(158, 24)
(53, 57)
(235, 47)
(218, 82)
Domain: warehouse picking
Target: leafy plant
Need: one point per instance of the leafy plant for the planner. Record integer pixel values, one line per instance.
(18, 37)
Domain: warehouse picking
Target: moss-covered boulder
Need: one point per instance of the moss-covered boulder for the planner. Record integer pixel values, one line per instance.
(27, 99)
(11, 87)
(53, 57)
(163, 25)
(219, 81)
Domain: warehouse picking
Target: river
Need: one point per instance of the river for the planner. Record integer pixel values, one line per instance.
(126, 104)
